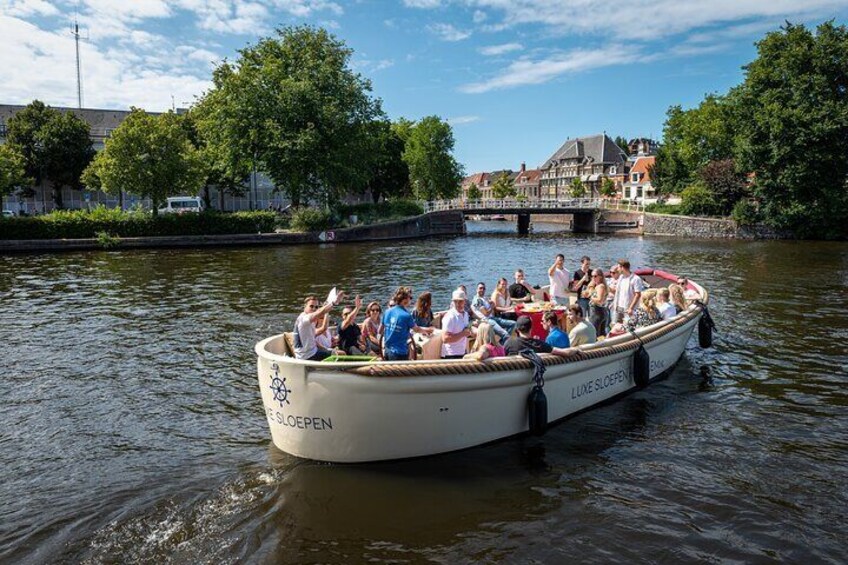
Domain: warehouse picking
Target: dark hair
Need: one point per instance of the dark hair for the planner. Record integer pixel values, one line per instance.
(422, 305)
(401, 294)
(551, 318)
(558, 255)
(624, 264)
(309, 299)
(585, 258)
(576, 309)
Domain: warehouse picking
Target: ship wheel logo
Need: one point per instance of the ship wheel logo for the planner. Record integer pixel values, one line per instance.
(281, 393)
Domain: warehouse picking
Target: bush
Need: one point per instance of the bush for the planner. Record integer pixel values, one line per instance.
(658, 208)
(368, 213)
(746, 213)
(698, 201)
(74, 224)
(311, 219)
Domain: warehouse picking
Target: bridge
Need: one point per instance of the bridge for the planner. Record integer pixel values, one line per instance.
(585, 210)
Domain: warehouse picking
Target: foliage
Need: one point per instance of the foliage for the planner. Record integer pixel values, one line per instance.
(150, 156)
(503, 187)
(698, 201)
(292, 105)
(54, 145)
(657, 208)
(389, 173)
(474, 192)
(368, 213)
(433, 171)
(746, 213)
(106, 240)
(622, 144)
(311, 219)
(577, 188)
(12, 171)
(608, 188)
(68, 224)
(725, 183)
(794, 121)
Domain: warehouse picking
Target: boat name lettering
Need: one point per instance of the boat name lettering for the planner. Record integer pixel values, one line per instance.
(588, 387)
(300, 422)
(657, 365)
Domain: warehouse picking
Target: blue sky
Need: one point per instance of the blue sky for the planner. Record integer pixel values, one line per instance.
(515, 78)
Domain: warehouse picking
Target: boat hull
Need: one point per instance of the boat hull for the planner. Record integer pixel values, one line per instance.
(337, 414)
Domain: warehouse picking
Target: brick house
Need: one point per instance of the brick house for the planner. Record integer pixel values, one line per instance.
(590, 159)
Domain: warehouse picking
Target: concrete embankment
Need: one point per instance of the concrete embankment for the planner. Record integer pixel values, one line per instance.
(426, 225)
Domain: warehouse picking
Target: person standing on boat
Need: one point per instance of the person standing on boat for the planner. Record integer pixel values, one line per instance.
(305, 346)
(397, 324)
(580, 282)
(582, 332)
(523, 340)
(484, 310)
(520, 290)
(457, 328)
(558, 278)
(597, 293)
(628, 291)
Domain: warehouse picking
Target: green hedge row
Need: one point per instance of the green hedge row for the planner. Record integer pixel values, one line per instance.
(73, 224)
(368, 213)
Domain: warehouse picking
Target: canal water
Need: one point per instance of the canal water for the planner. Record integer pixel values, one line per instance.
(131, 428)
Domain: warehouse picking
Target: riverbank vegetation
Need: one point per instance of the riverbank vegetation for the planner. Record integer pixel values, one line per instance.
(773, 148)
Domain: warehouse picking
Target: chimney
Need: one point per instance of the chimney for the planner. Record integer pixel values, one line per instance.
(523, 166)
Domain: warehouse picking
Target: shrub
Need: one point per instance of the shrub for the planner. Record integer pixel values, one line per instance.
(746, 213)
(311, 219)
(658, 208)
(698, 201)
(368, 213)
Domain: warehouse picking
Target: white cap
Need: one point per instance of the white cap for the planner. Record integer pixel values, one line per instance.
(458, 295)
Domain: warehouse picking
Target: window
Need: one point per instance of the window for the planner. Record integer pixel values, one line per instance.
(612, 170)
(634, 177)
(2, 130)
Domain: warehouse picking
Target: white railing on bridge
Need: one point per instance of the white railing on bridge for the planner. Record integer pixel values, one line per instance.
(532, 205)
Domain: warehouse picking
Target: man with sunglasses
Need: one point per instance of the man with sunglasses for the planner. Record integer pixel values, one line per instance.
(305, 346)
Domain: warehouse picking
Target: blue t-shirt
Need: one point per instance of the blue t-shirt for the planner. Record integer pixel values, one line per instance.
(557, 338)
(397, 323)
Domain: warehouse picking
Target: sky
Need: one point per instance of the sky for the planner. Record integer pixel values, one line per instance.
(515, 78)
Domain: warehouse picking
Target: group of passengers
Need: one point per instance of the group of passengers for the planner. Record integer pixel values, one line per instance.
(606, 306)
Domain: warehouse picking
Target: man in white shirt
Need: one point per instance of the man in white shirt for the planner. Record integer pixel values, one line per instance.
(664, 305)
(559, 279)
(456, 328)
(305, 346)
(628, 291)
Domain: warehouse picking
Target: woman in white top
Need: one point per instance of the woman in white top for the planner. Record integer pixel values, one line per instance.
(502, 302)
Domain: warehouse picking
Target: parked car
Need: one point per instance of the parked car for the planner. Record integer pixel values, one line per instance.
(182, 205)
(8, 214)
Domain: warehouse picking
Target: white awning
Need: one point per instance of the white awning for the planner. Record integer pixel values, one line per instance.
(594, 177)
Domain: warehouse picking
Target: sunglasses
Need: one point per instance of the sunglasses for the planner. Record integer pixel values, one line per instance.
(374, 310)
(312, 306)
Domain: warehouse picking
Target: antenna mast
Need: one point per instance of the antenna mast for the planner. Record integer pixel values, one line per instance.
(76, 33)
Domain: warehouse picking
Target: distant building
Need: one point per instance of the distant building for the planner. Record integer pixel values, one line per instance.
(477, 179)
(102, 123)
(638, 186)
(641, 147)
(527, 182)
(590, 159)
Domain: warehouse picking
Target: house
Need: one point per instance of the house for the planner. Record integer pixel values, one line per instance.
(638, 186)
(590, 159)
(477, 179)
(641, 147)
(527, 182)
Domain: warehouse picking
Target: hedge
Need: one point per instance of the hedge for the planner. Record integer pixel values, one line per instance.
(101, 222)
(369, 213)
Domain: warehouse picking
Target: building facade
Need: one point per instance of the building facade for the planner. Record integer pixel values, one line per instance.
(590, 159)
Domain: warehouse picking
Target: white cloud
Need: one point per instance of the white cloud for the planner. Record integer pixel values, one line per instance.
(479, 16)
(24, 8)
(459, 120)
(425, 4)
(526, 71)
(501, 49)
(447, 32)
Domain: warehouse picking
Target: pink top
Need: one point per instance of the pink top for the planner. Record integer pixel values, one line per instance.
(495, 350)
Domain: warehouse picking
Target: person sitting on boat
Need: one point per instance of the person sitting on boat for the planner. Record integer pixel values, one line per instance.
(485, 345)
(484, 310)
(524, 340)
(423, 312)
(351, 340)
(664, 305)
(582, 332)
(580, 282)
(305, 346)
(678, 299)
(397, 324)
(520, 290)
(556, 336)
(502, 302)
(372, 329)
(596, 293)
(456, 327)
(647, 312)
(628, 291)
(558, 279)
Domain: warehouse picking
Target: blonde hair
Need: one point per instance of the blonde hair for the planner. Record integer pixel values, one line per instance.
(675, 292)
(649, 299)
(485, 335)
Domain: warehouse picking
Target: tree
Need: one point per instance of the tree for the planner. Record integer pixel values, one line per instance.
(388, 174)
(577, 188)
(608, 188)
(622, 144)
(291, 106)
(697, 200)
(503, 187)
(150, 156)
(12, 171)
(433, 171)
(55, 146)
(474, 192)
(794, 128)
(724, 182)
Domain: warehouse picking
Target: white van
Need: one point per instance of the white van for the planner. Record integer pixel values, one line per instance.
(182, 205)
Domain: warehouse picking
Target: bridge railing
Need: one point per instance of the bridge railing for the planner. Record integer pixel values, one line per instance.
(531, 204)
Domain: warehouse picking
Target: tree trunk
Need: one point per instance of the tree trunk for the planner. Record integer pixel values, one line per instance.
(221, 198)
(121, 199)
(57, 196)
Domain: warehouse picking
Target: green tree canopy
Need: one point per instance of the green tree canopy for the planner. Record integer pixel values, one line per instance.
(503, 187)
(12, 171)
(433, 171)
(622, 144)
(389, 173)
(608, 188)
(794, 122)
(150, 156)
(292, 105)
(577, 188)
(726, 184)
(474, 192)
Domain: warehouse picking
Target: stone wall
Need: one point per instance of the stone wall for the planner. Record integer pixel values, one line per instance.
(688, 226)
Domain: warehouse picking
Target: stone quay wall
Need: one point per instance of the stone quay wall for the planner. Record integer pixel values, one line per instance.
(712, 228)
(427, 225)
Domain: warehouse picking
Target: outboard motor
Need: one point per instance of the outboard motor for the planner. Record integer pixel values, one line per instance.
(537, 402)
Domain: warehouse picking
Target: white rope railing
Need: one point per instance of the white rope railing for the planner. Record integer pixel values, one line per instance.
(531, 205)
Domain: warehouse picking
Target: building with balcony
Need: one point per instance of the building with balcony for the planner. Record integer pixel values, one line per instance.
(590, 159)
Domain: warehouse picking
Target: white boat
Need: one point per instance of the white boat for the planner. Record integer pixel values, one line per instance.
(373, 411)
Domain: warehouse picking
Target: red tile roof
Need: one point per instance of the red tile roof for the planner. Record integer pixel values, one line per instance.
(642, 165)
